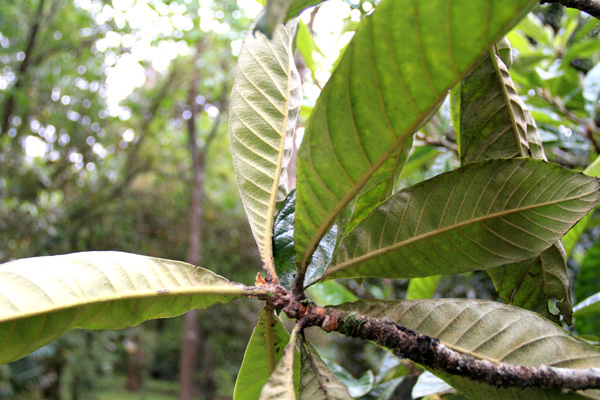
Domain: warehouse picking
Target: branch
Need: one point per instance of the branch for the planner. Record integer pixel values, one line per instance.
(591, 7)
(427, 350)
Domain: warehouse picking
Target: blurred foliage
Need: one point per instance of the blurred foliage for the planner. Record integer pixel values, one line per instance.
(84, 169)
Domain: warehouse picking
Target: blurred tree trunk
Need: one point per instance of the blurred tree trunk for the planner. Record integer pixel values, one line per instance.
(189, 346)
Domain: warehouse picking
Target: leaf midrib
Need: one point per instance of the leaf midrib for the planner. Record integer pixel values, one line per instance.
(148, 294)
(336, 268)
(339, 207)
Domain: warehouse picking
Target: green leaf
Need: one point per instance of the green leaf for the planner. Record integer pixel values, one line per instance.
(330, 293)
(533, 283)
(298, 6)
(255, 370)
(477, 217)
(265, 102)
(274, 15)
(493, 118)
(283, 246)
(356, 387)
(393, 75)
(317, 382)
(306, 46)
(572, 237)
(494, 123)
(44, 297)
(587, 284)
(284, 381)
(491, 331)
(422, 288)
(588, 306)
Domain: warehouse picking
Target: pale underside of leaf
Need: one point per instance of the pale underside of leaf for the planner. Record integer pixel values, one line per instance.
(495, 123)
(317, 382)
(281, 384)
(265, 103)
(491, 331)
(255, 369)
(42, 298)
(477, 217)
(398, 67)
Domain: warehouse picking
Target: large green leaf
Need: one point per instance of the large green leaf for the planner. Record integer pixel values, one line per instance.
(492, 331)
(283, 382)
(265, 102)
(317, 382)
(398, 67)
(42, 298)
(495, 123)
(477, 217)
(255, 370)
(283, 246)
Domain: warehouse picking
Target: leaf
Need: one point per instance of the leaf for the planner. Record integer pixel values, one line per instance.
(265, 102)
(356, 387)
(587, 284)
(588, 306)
(492, 331)
(274, 15)
(393, 75)
(283, 382)
(572, 237)
(330, 293)
(533, 283)
(477, 217)
(429, 384)
(298, 6)
(306, 46)
(44, 297)
(494, 123)
(255, 370)
(422, 288)
(283, 246)
(317, 382)
(591, 90)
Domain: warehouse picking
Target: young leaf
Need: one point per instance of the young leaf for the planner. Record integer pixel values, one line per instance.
(283, 246)
(492, 331)
(398, 67)
(283, 382)
(255, 370)
(477, 217)
(316, 380)
(495, 123)
(265, 102)
(44, 297)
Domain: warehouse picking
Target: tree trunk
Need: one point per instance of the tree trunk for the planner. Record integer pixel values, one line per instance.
(189, 346)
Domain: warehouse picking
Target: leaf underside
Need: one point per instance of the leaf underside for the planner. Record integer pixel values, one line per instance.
(495, 123)
(42, 298)
(283, 382)
(492, 331)
(265, 103)
(317, 382)
(398, 67)
(479, 216)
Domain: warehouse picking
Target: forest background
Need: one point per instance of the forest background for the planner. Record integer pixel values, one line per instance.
(113, 118)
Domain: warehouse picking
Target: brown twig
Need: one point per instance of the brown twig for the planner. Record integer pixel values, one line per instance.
(591, 7)
(427, 350)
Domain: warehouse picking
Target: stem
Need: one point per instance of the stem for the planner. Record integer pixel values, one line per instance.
(270, 339)
(427, 350)
(591, 7)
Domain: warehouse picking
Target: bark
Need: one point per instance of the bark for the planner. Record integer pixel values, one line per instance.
(189, 347)
(591, 7)
(10, 104)
(426, 350)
